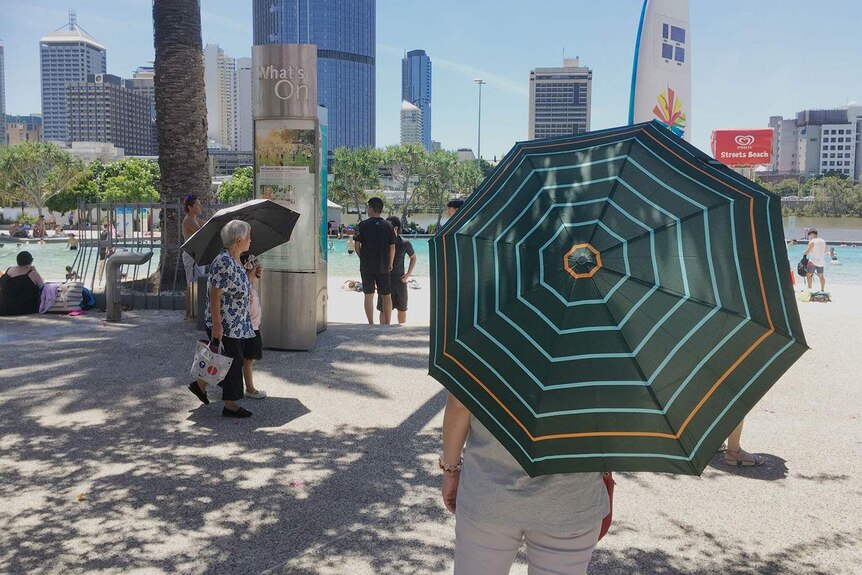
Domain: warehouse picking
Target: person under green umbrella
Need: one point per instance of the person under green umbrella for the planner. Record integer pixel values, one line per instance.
(498, 506)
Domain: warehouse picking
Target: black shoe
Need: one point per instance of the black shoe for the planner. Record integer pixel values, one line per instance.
(239, 412)
(196, 389)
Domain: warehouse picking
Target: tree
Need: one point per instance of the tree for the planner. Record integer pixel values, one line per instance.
(239, 188)
(440, 180)
(407, 164)
(468, 177)
(354, 170)
(129, 180)
(181, 116)
(33, 172)
(788, 187)
(836, 196)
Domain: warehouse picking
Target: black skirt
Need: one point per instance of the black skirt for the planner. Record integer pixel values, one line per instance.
(253, 348)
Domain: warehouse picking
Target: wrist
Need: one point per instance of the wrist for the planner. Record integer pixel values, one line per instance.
(449, 468)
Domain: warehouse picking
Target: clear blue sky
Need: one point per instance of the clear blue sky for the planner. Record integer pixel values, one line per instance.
(751, 58)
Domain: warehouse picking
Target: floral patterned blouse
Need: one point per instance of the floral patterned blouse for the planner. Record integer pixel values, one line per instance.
(229, 276)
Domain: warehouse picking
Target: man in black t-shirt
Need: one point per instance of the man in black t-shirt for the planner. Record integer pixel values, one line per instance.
(398, 277)
(375, 246)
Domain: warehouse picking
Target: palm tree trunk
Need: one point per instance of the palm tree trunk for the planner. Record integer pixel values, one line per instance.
(181, 119)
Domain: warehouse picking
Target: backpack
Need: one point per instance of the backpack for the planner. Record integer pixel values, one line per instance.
(802, 266)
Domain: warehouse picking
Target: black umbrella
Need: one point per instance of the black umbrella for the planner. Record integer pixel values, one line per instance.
(271, 225)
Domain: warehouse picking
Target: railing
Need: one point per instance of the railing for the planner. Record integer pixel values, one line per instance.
(135, 227)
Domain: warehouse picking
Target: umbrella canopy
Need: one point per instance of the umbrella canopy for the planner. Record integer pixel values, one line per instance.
(271, 225)
(613, 301)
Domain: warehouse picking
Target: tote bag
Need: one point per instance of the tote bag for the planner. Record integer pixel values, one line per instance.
(210, 366)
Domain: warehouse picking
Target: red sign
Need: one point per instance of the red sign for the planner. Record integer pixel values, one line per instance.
(742, 147)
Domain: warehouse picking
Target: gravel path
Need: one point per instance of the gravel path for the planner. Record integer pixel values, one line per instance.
(110, 466)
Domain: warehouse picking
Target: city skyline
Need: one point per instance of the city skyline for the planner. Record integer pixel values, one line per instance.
(763, 63)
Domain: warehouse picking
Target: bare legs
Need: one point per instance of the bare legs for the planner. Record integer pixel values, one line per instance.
(247, 376)
(735, 455)
(385, 314)
(191, 300)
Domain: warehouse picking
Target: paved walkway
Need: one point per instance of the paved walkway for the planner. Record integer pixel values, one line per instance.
(110, 466)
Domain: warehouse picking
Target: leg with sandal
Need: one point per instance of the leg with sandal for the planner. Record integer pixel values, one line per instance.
(735, 455)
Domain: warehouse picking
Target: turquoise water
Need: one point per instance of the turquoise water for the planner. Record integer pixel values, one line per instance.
(52, 258)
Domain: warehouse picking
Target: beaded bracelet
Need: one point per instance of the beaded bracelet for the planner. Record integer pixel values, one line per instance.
(449, 468)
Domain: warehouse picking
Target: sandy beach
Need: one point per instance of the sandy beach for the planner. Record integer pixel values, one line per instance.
(110, 466)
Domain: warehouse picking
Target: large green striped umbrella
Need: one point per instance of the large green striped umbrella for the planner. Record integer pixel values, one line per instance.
(613, 301)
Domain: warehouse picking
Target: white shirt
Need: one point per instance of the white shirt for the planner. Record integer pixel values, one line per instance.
(817, 254)
(495, 489)
(254, 309)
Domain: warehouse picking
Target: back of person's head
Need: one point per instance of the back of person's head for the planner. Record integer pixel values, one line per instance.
(376, 205)
(188, 201)
(456, 204)
(812, 232)
(24, 258)
(395, 221)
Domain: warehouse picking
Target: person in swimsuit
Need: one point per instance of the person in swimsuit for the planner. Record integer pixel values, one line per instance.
(20, 287)
(192, 222)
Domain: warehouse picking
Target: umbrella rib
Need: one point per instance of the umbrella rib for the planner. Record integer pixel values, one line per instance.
(690, 298)
(640, 371)
(611, 193)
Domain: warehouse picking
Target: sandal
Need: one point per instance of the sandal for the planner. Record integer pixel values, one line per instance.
(738, 458)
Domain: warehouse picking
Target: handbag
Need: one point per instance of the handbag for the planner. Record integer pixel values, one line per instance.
(210, 365)
(608, 478)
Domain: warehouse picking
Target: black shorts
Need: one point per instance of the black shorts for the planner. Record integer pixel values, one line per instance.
(399, 296)
(253, 348)
(372, 280)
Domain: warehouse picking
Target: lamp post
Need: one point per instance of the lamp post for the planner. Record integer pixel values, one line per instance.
(479, 82)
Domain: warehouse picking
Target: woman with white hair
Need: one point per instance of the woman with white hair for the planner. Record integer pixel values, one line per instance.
(228, 317)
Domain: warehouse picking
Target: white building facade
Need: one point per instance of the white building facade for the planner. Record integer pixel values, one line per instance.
(411, 124)
(244, 123)
(818, 142)
(220, 88)
(560, 100)
(67, 55)
(2, 91)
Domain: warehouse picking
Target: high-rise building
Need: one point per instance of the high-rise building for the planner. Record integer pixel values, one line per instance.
(106, 108)
(345, 34)
(244, 124)
(144, 83)
(411, 123)
(560, 100)
(66, 55)
(818, 142)
(220, 87)
(20, 129)
(416, 89)
(2, 88)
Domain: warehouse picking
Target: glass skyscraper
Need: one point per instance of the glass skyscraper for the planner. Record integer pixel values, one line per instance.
(416, 88)
(67, 55)
(345, 34)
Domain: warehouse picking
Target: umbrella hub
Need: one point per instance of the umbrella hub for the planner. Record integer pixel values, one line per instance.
(582, 261)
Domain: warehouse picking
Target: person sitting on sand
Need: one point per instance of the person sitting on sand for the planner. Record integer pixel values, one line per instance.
(20, 287)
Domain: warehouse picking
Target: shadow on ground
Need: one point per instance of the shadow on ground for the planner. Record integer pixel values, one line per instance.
(105, 468)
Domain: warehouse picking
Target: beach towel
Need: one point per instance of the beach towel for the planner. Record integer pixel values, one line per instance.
(48, 297)
(69, 297)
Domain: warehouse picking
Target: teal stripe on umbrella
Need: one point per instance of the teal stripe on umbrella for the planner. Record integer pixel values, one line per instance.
(612, 301)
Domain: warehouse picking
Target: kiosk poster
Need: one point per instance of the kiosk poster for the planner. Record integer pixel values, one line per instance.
(285, 153)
